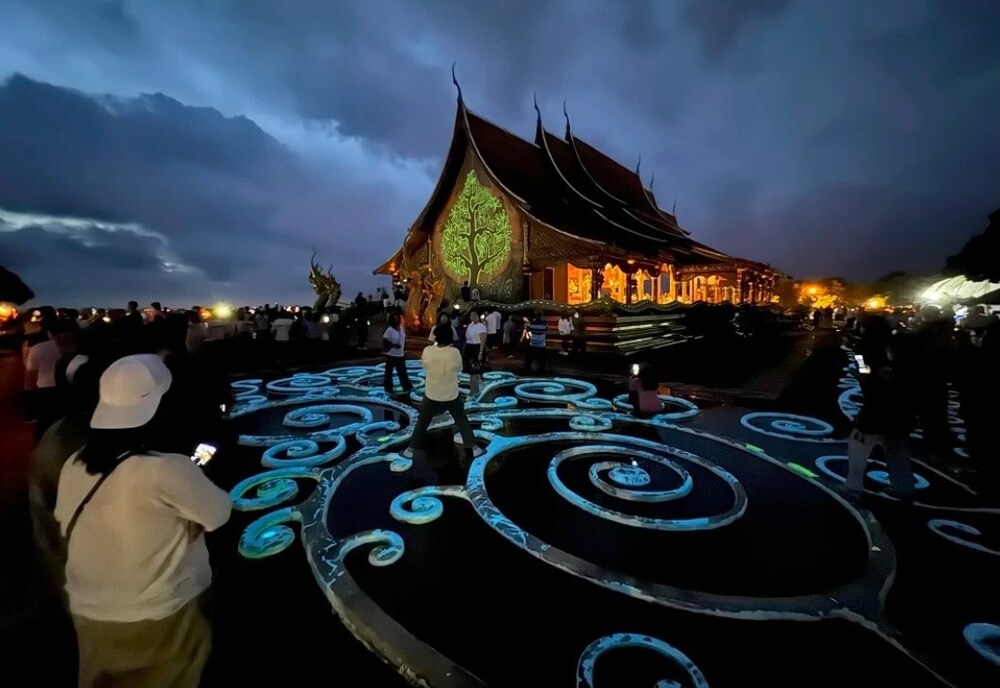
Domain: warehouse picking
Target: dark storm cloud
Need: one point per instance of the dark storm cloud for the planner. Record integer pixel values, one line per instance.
(719, 23)
(764, 119)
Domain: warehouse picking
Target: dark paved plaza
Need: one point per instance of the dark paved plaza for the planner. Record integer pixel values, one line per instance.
(705, 546)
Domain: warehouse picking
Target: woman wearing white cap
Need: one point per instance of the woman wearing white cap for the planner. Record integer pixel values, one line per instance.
(134, 520)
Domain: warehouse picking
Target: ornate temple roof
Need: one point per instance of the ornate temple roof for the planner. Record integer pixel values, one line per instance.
(568, 186)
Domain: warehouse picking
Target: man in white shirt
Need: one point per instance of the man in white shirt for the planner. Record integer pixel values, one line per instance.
(282, 327)
(394, 347)
(493, 328)
(442, 363)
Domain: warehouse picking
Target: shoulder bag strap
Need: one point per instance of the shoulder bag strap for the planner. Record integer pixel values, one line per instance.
(90, 495)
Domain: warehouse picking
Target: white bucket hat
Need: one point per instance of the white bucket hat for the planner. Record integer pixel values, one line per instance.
(131, 389)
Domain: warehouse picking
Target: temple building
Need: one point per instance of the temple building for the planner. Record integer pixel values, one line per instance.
(555, 219)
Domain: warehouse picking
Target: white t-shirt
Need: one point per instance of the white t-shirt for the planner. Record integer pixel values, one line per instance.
(493, 322)
(565, 326)
(398, 340)
(473, 332)
(131, 556)
(43, 358)
(281, 327)
(442, 364)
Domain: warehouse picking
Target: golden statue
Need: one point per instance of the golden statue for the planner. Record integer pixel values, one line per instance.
(325, 285)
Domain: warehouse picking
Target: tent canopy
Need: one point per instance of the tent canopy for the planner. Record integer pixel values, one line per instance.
(958, 288)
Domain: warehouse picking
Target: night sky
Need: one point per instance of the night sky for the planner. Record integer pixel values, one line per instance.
(197, 151)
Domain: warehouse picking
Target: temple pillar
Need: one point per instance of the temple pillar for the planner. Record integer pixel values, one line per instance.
(596, 283)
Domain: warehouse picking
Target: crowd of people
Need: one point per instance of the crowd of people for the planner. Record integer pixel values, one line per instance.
(906, 369)
(118, 506)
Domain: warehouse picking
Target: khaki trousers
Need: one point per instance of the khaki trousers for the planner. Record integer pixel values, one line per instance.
(166, 653)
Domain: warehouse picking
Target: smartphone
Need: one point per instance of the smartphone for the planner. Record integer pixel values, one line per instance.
(203, 454)
(862, 367)
(635, 369)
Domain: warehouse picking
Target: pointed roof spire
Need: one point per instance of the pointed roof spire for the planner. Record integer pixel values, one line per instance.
(674, 211)
(638, 165)
(566, 115)
(454, 80)
(652, 178)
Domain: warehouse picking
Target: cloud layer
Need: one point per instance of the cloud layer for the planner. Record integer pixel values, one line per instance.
(846, 138)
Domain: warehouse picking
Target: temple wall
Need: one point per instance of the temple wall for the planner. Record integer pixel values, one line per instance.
(501, 230)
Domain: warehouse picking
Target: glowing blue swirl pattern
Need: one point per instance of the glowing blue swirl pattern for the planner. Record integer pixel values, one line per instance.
(387, 551)
(267, 535)
(423, 505)
(591, 423)
(942, 526)
(588, 660)
(625, 477)
(297, 384)
(273, 488)
(628, 493)
(788, 426)
(318, 416)
(302, 453)
(850, 402)
(690, 409)
(984, 638)
(880, 477)
(555, 389)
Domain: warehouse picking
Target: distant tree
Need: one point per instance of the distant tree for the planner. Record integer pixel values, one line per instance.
(979, 259)
(898, 287)
(476, 237)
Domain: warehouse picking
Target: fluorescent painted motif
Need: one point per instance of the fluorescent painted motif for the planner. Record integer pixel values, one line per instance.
(588, 660)
(635, 484)
(476, 240)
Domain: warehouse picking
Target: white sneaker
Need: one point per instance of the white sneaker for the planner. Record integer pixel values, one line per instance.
(477, 452)
(406, 453)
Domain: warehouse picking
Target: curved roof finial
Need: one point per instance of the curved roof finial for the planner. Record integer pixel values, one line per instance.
(454, 80)
(566, 115)
(638, 165)
(652, 178)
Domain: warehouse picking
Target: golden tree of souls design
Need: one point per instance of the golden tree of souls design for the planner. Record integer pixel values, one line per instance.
(476, 238)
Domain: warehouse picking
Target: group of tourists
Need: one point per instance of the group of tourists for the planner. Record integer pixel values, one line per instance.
(457, 344)
(119, 507)
(906, 373)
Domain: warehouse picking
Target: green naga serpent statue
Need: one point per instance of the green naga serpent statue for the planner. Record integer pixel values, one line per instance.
(325, 285)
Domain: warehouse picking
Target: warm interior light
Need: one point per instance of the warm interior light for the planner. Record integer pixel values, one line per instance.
(631, 261)
(222, 311)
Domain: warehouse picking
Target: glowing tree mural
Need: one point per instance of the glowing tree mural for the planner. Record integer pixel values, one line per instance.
(476, 238)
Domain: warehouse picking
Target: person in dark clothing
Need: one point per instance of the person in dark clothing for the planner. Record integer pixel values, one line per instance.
(534, 357)
(466, 292)
(887, 416)
(361, 312)
(937, 352)
(978, 379)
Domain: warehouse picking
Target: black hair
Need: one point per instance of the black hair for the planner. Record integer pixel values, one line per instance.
(444, 335)
(106, 448)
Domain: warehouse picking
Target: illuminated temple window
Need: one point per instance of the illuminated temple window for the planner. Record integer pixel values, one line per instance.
(663, 294)
(614, 283)
(578, 284)
(644, 286)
